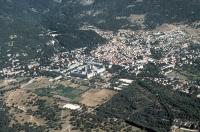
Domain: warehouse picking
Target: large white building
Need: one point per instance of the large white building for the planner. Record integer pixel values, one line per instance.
(72, 106)
(88, 70)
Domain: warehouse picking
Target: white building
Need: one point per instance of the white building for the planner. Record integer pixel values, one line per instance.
(72, 106)
(128, 81)
(89, 70)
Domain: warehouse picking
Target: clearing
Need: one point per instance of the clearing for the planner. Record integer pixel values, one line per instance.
(95, 97)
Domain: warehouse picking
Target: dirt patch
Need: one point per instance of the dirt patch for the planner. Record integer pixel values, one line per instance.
(139, 19)
(94, 97)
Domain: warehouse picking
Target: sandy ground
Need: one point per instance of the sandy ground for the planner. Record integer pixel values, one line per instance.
(95, 97)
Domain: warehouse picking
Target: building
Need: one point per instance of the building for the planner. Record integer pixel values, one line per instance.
(128, 81)
(185, 126)
(72, 106)
(88, 70)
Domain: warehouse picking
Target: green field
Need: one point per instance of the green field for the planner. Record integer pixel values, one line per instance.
(60, 90)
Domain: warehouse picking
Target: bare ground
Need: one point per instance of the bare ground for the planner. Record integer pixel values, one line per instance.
(95, 97)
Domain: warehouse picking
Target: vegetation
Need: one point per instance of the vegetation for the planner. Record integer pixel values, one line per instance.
(156, 53)
(50, 112)
(30, 21)
(43, 92)
(84, 121)
(61, 90)
(68, 92)
(151, 70)
(4, 118)
(24, 38)
(151, 106)
(28, 127)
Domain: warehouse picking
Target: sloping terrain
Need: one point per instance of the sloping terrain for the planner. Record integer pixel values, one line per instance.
(26, 25)
(151, 106)
(36, 35)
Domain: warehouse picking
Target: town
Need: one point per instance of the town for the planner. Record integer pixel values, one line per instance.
(79, 80)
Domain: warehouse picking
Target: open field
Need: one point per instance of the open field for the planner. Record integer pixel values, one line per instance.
(95, 97)
(19, 98)
(36, 83)
(67, 83)
(59, 91)
(20, 102)
(25, 118)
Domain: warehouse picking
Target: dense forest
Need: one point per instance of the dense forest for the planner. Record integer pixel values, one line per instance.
(151, 105)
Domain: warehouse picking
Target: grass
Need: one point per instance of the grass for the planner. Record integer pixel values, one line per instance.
(60, 90)
(43, 92)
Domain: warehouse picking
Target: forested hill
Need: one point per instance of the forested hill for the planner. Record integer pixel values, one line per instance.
(151, 105)
(24, 24)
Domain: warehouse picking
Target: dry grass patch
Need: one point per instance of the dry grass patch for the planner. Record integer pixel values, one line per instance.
(95, 97)
(19, 98)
